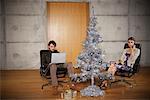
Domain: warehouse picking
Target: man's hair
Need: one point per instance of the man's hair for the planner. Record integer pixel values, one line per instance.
(131, 38)
(52, 42)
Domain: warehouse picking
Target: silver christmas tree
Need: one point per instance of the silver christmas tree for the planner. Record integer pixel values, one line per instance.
(90, 60)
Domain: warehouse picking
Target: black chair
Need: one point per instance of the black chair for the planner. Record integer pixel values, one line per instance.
(45, 58)
(124, 74)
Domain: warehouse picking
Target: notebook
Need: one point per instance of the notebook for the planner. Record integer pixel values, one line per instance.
(58, 58)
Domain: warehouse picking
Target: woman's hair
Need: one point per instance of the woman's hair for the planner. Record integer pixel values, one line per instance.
(131, 38)
(52, 42)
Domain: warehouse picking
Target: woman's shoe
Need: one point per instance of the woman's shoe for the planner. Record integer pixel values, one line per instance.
(103, 88)
(103, 85)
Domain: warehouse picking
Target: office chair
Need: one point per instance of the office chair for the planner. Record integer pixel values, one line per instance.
(45, 58)
(124, 74)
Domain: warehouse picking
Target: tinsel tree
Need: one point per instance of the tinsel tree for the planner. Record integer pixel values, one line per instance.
(90, 60)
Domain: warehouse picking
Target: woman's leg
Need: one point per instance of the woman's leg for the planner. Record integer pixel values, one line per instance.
(112, 69)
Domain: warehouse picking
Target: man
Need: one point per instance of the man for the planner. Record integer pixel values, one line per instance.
(53, 67)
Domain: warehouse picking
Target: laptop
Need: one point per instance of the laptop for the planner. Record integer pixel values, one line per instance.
(58, 58)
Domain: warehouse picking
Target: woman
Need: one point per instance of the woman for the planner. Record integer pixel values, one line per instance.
(126, 61)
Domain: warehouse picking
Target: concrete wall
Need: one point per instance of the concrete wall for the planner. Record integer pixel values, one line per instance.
(23, 31)
(120, 19)
(2, 46)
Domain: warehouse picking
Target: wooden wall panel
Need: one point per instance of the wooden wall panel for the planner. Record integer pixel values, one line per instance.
(67, 25)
